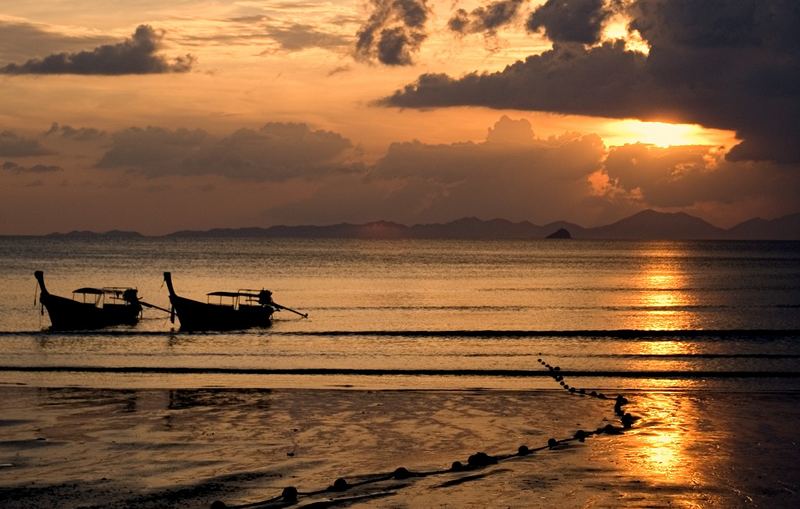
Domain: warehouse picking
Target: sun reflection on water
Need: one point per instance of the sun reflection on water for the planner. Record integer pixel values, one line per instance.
(663, 291)
(664, 449)
(664, 455)
(664, 300)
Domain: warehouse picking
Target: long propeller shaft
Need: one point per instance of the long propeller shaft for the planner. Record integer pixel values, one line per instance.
(304, 315)
(146, 304)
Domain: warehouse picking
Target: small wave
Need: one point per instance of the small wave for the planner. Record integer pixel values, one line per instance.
(425, 308)
(110, 333)
(640, 289)
(587, 333)
(662, 356)
(439, 333)
(517, 308)
(666, 374)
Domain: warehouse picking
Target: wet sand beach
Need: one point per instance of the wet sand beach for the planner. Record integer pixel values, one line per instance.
(76, 447)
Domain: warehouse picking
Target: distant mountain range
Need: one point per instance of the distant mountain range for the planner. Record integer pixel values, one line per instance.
(645, 225)
(86, 234)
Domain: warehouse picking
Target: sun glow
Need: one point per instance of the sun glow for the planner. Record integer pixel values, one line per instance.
(619, 28)
(664, 134)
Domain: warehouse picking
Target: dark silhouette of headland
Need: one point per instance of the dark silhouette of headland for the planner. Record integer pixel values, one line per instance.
(644, 225)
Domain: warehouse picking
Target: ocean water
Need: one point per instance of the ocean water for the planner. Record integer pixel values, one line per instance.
(419, 314)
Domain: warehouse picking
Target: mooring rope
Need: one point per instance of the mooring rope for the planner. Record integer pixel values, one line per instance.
(291, 495)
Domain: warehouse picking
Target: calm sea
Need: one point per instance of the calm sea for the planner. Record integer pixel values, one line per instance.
(419, 314)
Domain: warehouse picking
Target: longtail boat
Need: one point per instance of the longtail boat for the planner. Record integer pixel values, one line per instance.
(242, 309)
(90, 308)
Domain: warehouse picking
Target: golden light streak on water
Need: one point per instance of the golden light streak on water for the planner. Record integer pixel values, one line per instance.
(663, 452)
(663, 295)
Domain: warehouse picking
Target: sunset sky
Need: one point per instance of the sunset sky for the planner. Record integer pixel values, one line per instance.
(163, 115)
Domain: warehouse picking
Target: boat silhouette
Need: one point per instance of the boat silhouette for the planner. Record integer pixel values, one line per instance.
(90, 308)
(242, 309)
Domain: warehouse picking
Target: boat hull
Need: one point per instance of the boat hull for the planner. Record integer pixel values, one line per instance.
(200, 316)
(67, 314)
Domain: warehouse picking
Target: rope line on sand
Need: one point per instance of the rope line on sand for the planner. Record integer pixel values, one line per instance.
(291, 495)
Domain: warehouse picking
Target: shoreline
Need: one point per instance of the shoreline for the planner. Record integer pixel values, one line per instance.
(136, 382)
(189, 447)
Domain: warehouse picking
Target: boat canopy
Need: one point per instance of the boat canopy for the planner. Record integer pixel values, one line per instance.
(232, 294)
(89, 291)
(100, 291)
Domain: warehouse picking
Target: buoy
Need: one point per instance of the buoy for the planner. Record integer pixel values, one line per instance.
(401, 473)
(552, 443)
(340, 484)
(627, 421)
(218, 504)
(481, 459)
(457, 466)
(580, 435)
(523, 450)
(289, 494)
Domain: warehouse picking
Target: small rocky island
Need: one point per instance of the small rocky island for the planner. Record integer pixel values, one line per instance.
(561, 233)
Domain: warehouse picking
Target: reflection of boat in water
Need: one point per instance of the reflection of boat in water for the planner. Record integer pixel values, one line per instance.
(242, 309)
(90, 308)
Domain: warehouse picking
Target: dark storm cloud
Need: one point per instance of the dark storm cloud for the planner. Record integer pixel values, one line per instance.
(137, 55)
(74, 133)
(485, 18)
(731, 64)
(298, 37)
(570, 20)
(13, 145)
(22, 40)
(276, 151)
(559, 80)
(394, 31)
(12, 167)
(706, 24)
